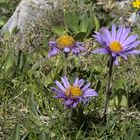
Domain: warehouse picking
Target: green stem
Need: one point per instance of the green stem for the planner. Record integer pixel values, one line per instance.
(19, 57)
(108, 90)
(65, 64)
(79, 64)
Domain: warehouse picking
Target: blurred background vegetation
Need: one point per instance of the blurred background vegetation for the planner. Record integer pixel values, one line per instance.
(7, 8)
(28, 110)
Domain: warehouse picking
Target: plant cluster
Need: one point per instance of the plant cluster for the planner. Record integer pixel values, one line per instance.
(63, 89)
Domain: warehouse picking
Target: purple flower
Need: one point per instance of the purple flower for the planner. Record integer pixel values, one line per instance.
(73, 94)
(67, 44)
(117, 42)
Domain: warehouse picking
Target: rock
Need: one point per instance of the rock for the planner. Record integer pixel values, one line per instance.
(28, 14)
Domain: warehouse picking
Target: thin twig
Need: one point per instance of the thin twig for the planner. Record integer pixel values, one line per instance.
(65, 63)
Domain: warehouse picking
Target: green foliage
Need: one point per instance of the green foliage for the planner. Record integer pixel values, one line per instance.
(78, 26)
(16, 135)
(26, 96)
(28, 110)
(6, 9)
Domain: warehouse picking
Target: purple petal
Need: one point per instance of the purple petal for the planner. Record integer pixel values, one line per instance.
(119, 32)
(113, 32)
(75, 50)
(60, 85)
(80, 82)
(76, 82)
(89, 93)
(52, 44)
(57, 90)
(98, 38)
(66, 50)
(79, 44)
(123, 55)
(133, 45)
(107, 34)
(124, 35)
(115, 56)
(85, 87)
(68, 102)
(75, 103)
(116, 60)
(133, 52)
(80, 98)
(85, 100)
(60, 94)
(129, 40)
(65, 81)
(82, 48)
(53, 52)
(101, 37)
(101, 51)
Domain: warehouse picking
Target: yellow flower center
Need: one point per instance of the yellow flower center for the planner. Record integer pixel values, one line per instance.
(115, 46)
(73, 91)
(65, 41)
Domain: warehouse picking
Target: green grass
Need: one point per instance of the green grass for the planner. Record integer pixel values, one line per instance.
(28, 110)
(26, 97)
